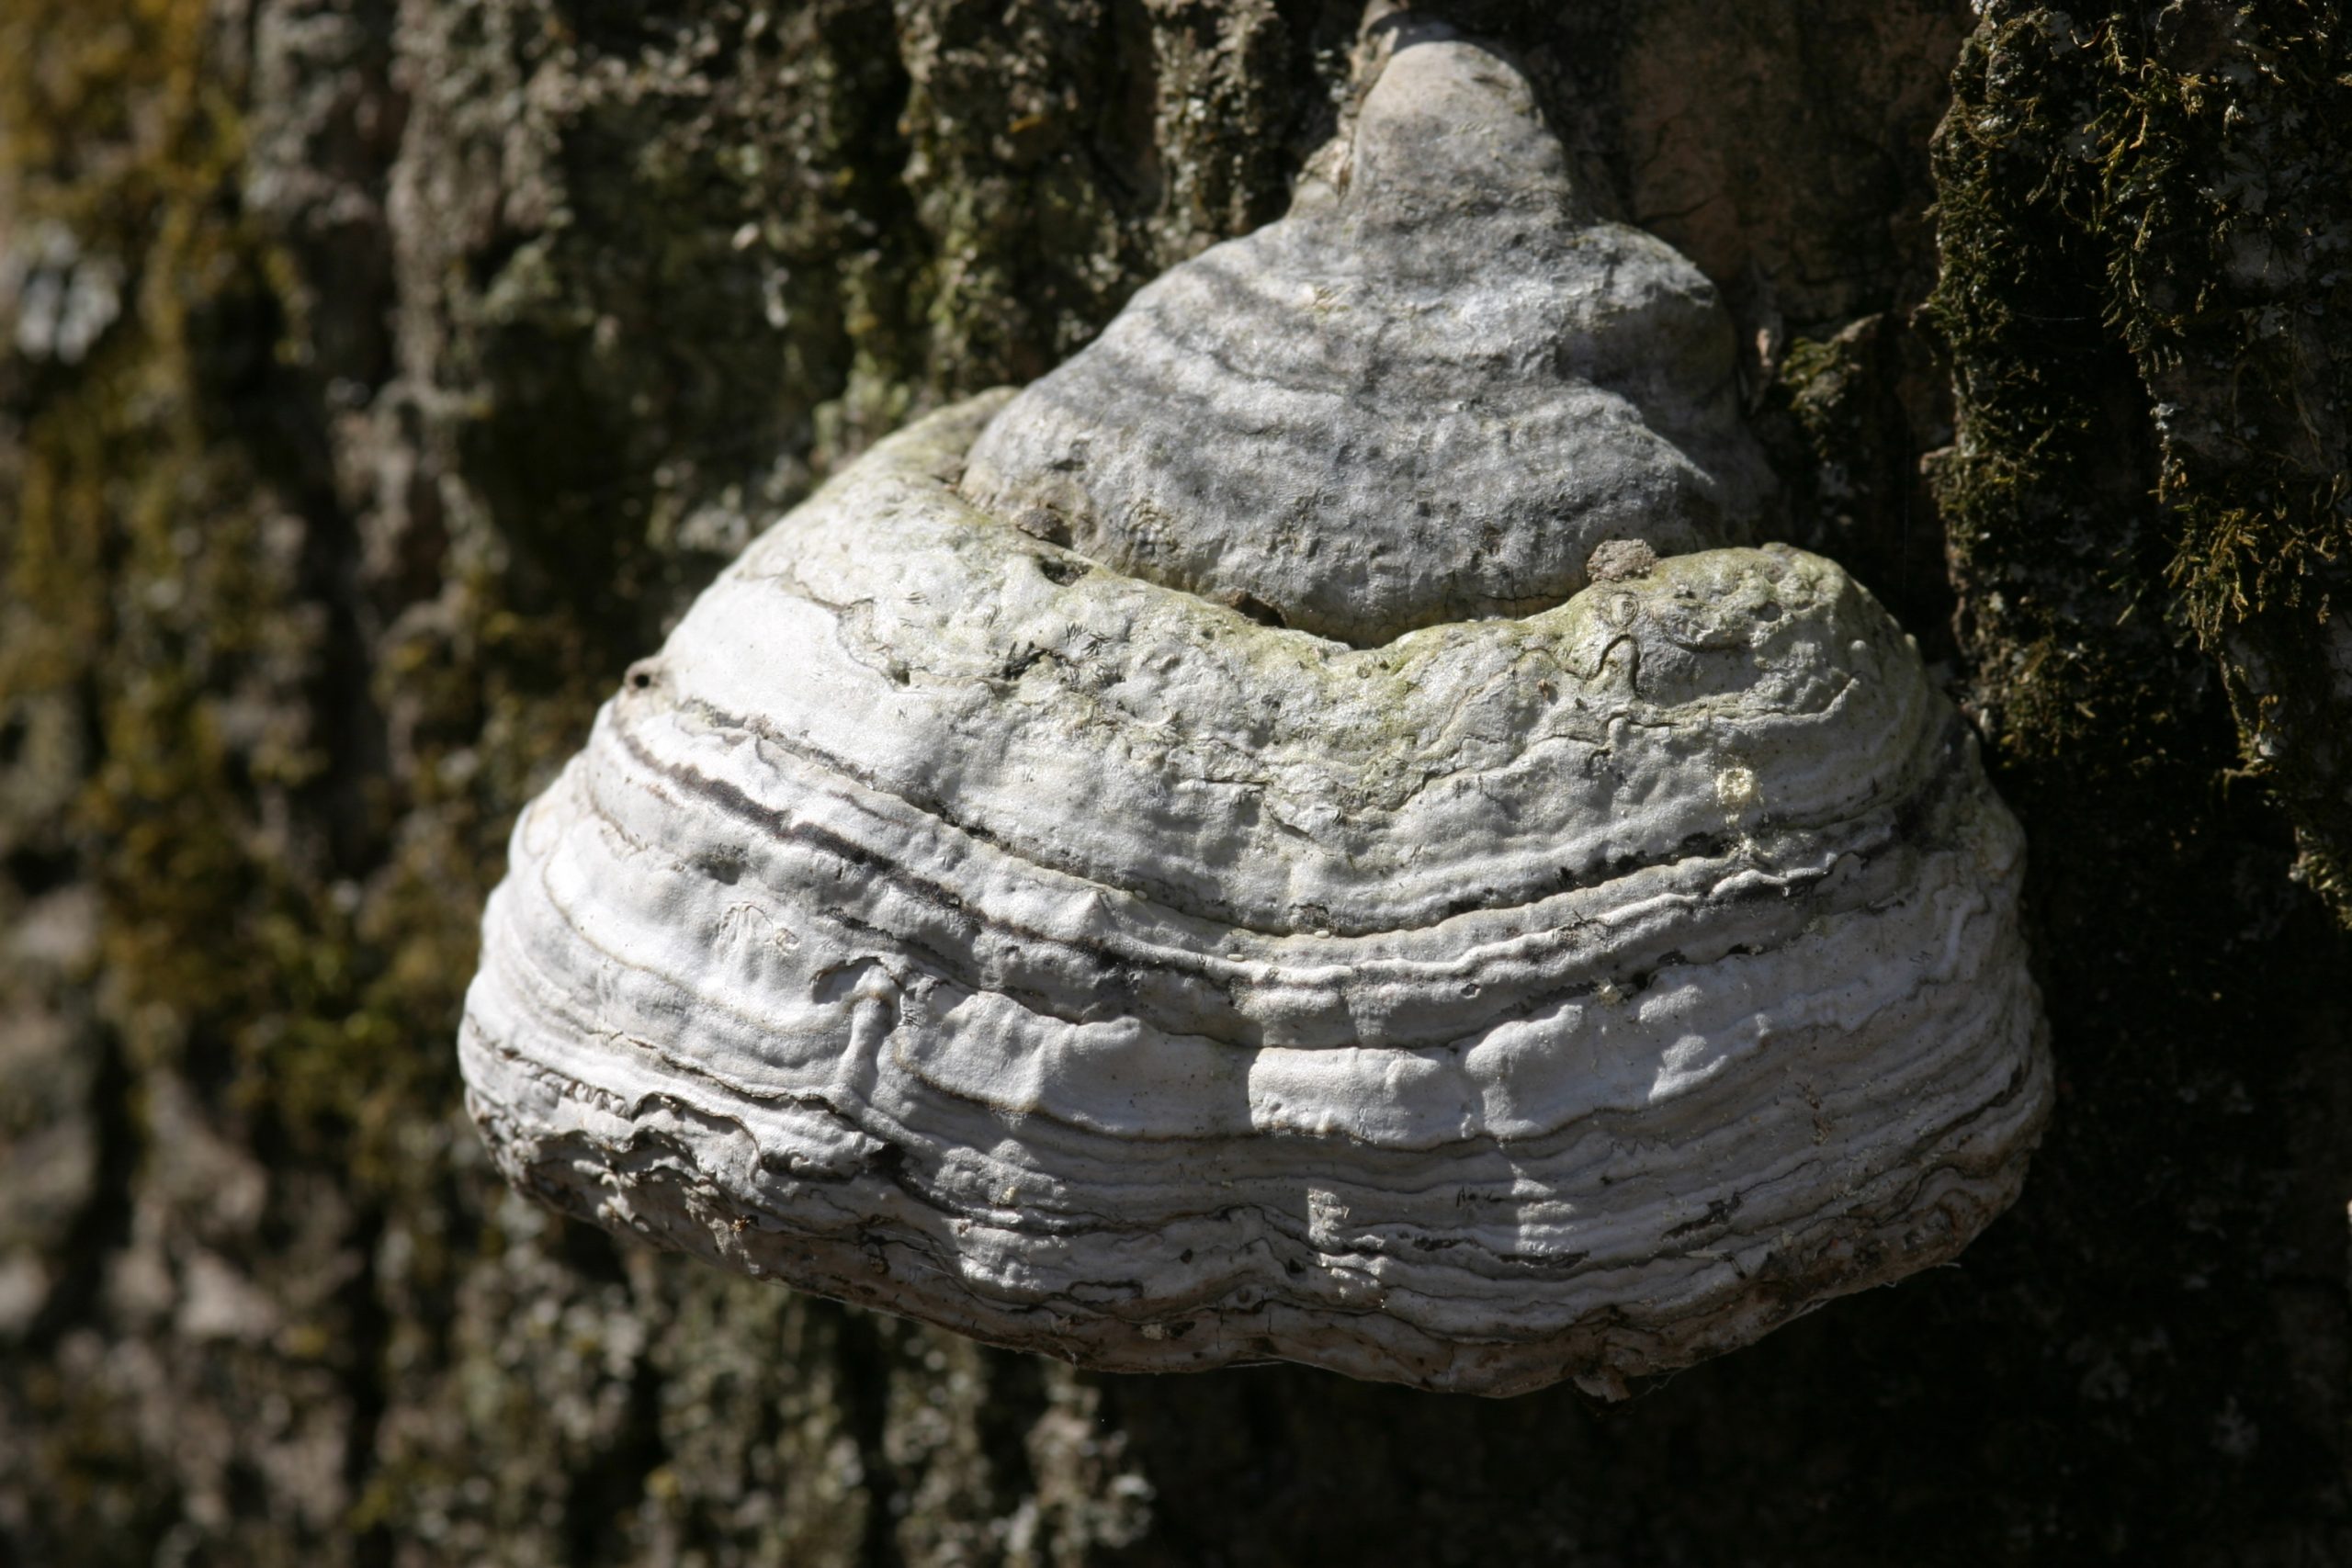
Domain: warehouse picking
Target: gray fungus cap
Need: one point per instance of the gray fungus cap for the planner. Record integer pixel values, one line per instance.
(1424, 396)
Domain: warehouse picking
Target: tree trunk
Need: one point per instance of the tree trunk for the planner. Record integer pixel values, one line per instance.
(382, 378)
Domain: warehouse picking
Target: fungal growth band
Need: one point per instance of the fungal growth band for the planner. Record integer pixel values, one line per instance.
(1181, 866)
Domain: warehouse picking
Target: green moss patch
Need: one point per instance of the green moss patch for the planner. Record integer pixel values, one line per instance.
(2147, 241)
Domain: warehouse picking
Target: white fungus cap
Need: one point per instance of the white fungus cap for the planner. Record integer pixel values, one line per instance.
(985, 928)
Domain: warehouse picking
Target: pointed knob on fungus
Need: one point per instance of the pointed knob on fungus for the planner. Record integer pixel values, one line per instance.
(1422, 397)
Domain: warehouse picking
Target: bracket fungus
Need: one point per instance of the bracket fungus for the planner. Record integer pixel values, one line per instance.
(1306, 834)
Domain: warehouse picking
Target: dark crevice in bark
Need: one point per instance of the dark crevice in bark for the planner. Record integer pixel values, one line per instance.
(102, 1227)
(1013, 1401)
(867, 1376)
(602, 1495)
(367, 1328)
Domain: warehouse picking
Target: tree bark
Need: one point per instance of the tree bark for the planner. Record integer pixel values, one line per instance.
(380, 377)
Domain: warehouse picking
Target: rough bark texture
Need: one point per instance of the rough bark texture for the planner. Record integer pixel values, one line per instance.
(380, 379)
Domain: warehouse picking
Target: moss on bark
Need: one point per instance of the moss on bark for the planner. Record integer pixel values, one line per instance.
(2146, 235)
